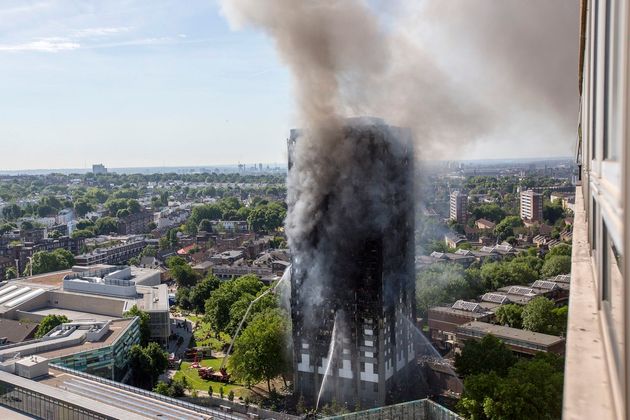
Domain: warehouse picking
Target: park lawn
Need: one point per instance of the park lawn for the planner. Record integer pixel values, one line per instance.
(202, 385)
(206, 337)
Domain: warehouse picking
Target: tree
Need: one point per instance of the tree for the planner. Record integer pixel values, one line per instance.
(561, 316)
(10, 273)
(97, 195)
(205, 225)
(48, 323)
(45, 262)
(490, 396)
(506, 227)
(175, 261)
(219, 305)
(201, 292)
(163, 388)
(510, 315)
(492, 212)
(259, 352)
(557, 264)
(552, 212)
(483, 356)
(184, 275)
(82, 233)
(145, 329)
(560, 249)
(182, 298)
(12, 212)
(106, 225)
(147, 363)
(148, 251)
(267, 217)
(439, 284)
(538, 316)
(82, 207)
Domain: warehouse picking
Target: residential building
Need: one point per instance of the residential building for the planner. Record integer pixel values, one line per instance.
(366, 286)
(459, 207)
(531, 206)
(99, 169)
(135, 223)
(485, 224)
(443, 321)
(597, 369)
(116, 254)
(518, 340)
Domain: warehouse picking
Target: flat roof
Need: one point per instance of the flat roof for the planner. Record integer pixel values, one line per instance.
(16, 331)
(91, 404)
(448, 309)
(154, 298)
(124, 399)
(48, 279)
(72, 315)
(501, 331)
(116, 328)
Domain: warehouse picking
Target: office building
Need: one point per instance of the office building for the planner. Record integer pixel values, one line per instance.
(459, 207)
(597, 370)
(531, 206)
(352, 315)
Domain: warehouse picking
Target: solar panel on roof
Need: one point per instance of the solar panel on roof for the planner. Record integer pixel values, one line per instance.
(517, 290)
(462, 305)
(495, 298)
(544, 284)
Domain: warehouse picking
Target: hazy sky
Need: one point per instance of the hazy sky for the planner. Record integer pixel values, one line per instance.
(160, 83)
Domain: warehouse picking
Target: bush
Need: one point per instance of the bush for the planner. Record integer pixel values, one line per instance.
(231, 395)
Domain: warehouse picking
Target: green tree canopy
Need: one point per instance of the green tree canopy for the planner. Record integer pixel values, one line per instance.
(145, 329)
(560, 249)
(48, 323)
(510, 315)
(184, 275)
(556, 264)
(82, 206)
(506, 227)
(45, 262)
(493, 396)
(199, 293)
(538, 316)
(439, 284)
(492, 212)
(260, 351)
(219, 305)
(147, 363)
(483, 356)
(552, 212)
(106, 225)
(12, 212)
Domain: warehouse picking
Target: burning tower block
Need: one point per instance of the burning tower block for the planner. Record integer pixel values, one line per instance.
(352, 282)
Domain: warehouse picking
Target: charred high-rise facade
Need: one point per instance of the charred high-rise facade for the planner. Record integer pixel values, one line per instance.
(352, 283)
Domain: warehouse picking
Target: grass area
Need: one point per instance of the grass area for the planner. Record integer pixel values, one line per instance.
(202, 385)
(205, 335)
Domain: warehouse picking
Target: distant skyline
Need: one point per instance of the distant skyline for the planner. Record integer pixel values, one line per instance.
(137, 83)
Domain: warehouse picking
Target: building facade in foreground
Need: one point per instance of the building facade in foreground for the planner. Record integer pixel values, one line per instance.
(597, 374)
(353, 276)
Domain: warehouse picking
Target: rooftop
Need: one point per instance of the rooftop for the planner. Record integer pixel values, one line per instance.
(501, 331)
